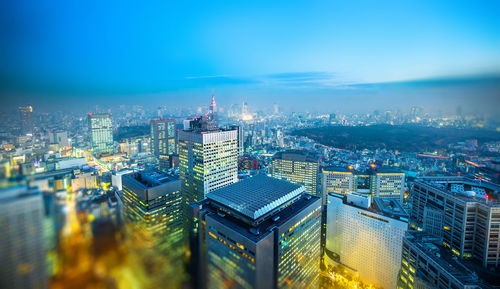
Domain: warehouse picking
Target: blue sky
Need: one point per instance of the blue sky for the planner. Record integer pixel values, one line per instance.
(252, 49)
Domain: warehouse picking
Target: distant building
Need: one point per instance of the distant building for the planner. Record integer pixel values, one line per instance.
(377, 182)
(425, 263)
(152, 200)
(365, 234)
(241, 138)
(299, 167)
(469, 212)
(60, 138)
(337, 181)
(258, 233)
(101, 133)
(26, 115)
(163, 137)
(22, 247)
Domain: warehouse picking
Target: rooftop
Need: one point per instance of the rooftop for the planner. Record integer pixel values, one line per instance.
(151, 178)
(297, 155)
(257, 196)
(430, 246)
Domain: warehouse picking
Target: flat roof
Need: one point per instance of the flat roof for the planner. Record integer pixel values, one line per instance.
(297, 155)
(151, 178)
(256, 196)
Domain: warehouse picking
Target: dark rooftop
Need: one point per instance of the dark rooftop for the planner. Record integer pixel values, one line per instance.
(257, 196)
(151, 178)
(297, 155)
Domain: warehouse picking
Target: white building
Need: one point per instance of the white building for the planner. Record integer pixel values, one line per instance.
(366, 236)
(208, 160)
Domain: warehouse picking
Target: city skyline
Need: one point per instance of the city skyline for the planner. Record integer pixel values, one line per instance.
(339, 54)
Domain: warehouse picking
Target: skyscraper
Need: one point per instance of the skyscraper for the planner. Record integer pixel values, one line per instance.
(299, 167)
(101, 133)
(208, 159)
(258, 233)
(241, 138)
(152, 200)
(22, 248)
(365, 234)
(163, 137)
(26, 115)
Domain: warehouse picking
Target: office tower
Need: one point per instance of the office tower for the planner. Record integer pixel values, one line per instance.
(152, 200)
(337, 181)
(26, 114)
(101, 133)
(163, 137)
(241, 138)
(365, 234)
(22, 248)
(469, 211)
(208, 159)
(425, 263)
(299, 167)
(276, 108)
(378, 182)
(258, 233)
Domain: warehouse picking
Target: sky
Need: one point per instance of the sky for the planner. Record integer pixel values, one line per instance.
(302, 54)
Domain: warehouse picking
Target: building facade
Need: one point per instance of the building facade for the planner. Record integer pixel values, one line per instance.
(26, 116)
(152, 200)
(208, 160)
(469, 212)
(258, 233)
(101, 133)
(365, 234)
(22, 247)
(298, 167)
(426, 264)
(163, 137)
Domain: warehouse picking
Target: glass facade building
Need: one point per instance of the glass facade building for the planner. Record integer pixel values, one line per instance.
(101, 133)
(152, 200)
(298, 167)
(163, 137)
(22, 244)
(26, 116)
(258, 233)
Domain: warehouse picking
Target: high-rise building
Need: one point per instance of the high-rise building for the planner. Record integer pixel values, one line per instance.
(258, 233)
(299, 167)
(377, 182)
(365, 234)
(241, 138)
(208, 159)
(101, 133)
(464, 213)
(152, 200)
(163, 137)
(425, 263)
(22, 248)
(26, 115)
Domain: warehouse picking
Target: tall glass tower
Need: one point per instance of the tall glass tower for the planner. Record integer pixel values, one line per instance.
(101, 133)
(163, 137)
